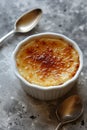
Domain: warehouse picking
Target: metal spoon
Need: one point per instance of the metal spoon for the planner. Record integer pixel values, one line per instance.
(25, 23)
(70, 110)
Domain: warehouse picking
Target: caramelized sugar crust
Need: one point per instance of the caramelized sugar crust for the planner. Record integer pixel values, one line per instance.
(47, 61)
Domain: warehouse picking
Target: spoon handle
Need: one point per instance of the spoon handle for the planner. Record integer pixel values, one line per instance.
(58, 126)
(4, 37)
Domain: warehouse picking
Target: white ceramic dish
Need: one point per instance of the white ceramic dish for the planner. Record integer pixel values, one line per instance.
(52, 92)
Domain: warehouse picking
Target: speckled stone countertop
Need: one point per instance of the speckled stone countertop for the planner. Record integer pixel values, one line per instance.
(19, 111)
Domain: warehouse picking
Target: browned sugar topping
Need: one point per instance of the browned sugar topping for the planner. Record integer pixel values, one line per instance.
(48, 58)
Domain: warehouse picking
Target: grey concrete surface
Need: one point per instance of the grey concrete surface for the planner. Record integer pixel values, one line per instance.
(19, 111)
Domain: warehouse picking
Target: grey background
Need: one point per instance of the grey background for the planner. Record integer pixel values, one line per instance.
(19, 111)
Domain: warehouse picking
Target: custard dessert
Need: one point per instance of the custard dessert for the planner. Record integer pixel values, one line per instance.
(47, 61)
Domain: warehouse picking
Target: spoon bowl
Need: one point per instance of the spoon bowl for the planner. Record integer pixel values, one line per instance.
(28, 21)
(70, 110)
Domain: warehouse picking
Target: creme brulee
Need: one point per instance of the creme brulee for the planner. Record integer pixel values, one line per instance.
(47, 61)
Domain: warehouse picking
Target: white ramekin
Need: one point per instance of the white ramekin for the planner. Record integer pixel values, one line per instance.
(52, 92)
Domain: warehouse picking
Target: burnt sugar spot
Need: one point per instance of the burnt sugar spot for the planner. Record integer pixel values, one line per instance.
(49, 62)
(46, 59)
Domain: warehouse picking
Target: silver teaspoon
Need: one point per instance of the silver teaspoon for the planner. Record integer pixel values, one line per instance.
(25, 23)
(70, 110)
